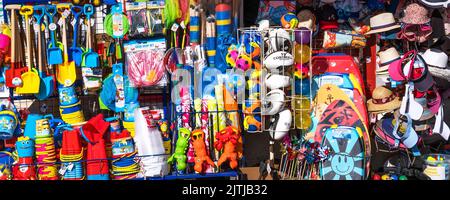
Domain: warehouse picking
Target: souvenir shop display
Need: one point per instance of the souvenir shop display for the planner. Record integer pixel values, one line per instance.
(190, 89)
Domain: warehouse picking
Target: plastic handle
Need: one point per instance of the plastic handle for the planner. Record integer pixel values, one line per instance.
(88, 10)
(50, 11)
(26, 10)
(62, 7)
(39, 12)
(76, 10)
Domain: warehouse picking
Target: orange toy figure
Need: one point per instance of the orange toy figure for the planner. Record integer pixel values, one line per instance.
(201, 155)
(227, 139)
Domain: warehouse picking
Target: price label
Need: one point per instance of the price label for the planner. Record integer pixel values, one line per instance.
(175, 27)
(60, 22)
(182, 25)
(36, 27)
(70, 166)
(66, 13)
(52, 26)
(141, 29)
(63, 170)
(73, 22)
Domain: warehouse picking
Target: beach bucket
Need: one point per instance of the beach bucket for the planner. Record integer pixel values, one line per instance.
(437, 166)
(8, 124)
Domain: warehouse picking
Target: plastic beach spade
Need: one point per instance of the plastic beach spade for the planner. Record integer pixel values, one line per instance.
(91, 58)
(75, 52)
(66, 73)
(54, 53)
(47, 83)
(31, 80)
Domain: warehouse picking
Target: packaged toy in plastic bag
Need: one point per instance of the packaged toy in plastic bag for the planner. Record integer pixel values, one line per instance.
(155, 14)
(343, 39)
(139, 23)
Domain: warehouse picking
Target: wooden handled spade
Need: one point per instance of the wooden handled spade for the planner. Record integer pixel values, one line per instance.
(54, 53)
(47, 82)
(30, 79)
(75, 52)
(91, 58)
(13, 74)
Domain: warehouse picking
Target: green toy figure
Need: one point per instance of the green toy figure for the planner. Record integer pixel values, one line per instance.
(180, 150)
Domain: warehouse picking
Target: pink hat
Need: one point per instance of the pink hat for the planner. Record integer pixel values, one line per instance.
(415, 14)
(433, 100)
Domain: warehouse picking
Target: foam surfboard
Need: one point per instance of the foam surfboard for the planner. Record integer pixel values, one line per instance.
(347, 154)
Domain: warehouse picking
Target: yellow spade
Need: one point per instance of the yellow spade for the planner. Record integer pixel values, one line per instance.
(30, 78)
(65, 73)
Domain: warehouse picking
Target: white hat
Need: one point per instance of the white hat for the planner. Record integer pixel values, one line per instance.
(435, 58)
(382, 22)
(387, 57)
(276, 81)
(273, 102)
(280, 124)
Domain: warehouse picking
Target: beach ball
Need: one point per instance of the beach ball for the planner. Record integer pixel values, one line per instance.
(289, 20)
(252, 123)
(303, 35)
(302, 53)
(243, 62)
(232, 55)
(301, 71)
(302, 86)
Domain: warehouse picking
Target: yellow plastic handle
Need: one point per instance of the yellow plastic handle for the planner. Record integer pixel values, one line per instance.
(62, 7)
(26, 10)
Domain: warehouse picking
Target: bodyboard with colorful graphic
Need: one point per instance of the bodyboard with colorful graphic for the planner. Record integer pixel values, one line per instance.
(329, 92)
(344, 64)
(342, 112)
(347, 154)
(348, 85)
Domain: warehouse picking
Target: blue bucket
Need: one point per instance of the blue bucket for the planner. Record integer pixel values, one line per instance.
(8, 124)
(30, 126)
(25, 147)
(67, 96)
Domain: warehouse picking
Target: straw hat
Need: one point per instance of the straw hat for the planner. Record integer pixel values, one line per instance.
(383, 100)
(415, 14)
(387, 57)
(382, 22)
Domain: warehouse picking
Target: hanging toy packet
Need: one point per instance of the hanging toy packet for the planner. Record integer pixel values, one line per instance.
(119, 82)
(116, 23)
(342, 39)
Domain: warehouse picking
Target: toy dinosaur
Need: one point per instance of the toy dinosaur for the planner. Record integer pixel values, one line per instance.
(227, 139)
(201, 154)
(180, 150)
